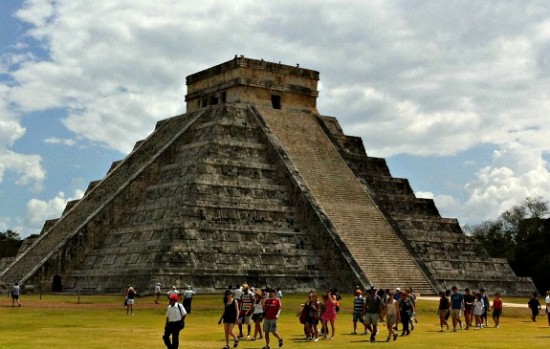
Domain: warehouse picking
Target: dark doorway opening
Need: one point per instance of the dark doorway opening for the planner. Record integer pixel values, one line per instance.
(56, 284)
(276, 101)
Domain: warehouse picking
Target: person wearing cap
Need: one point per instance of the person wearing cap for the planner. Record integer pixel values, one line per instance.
(157, 293)
(172, 291)
(397, 294)
(246, 304)
(272, 308)
(258, 314)
(372, 308)
(175, 322)
(187, 298)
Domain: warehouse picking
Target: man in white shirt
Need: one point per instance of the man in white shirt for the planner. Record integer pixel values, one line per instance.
(157, 293)
(175, 321)
(15, 294)
(547, 301)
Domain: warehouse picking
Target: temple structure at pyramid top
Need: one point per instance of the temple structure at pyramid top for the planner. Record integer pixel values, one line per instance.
(256, 82)
(252, 184)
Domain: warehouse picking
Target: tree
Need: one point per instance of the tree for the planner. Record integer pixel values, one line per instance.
(522, 236)
(10, 235)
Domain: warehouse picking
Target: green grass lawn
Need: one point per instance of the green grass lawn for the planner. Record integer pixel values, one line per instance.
(65, 321)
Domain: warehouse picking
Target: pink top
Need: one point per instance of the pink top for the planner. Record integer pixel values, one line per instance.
(330, 309)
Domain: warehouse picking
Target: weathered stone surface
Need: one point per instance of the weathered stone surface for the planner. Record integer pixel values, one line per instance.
(252, 184)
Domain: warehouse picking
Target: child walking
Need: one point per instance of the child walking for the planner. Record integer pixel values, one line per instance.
(478, 311)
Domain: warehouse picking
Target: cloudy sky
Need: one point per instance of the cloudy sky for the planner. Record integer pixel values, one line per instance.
(454, 94)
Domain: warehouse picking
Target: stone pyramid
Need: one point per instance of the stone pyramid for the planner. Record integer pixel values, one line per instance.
(253, 184)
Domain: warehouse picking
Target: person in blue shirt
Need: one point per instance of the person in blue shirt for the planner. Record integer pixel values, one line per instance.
(457, 304)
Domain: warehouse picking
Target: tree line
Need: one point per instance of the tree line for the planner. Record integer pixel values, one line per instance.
(522, 236)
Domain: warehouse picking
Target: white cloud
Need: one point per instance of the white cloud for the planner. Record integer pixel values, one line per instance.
(409, 77)
(28, 168)
(65, 141)
(38, 211)
(516, 173)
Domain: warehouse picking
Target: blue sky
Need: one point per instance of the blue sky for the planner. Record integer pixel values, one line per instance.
(453, 94)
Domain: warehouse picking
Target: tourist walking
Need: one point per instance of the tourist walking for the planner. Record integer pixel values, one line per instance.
(173, 290)
(373, 305)
(358, 305)
(175, 322)
(534, 305)
(130, 300)
(188, 295)
(393, 316)
(157, 293)
(468, 307)
(329, 315)
(246, 307)
(406, 309)
(486, 306)
(497, 309)
(314, 314)
(258, 315)
(15, 292)
(479, 310)
(457, 304)
(272, 308)
(229, 318)
(443, 310)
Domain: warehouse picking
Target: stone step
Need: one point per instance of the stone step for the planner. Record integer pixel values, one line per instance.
(340, 195)
(119, 177)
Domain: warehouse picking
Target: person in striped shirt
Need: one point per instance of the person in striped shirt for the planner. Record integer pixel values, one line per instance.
(358, 304)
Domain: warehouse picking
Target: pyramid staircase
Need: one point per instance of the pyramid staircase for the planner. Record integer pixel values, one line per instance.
(438, 244)
(360, 225)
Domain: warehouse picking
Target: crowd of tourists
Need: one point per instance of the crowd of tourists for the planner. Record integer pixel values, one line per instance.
(255, 312)
(369, 309)
(475, 306)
